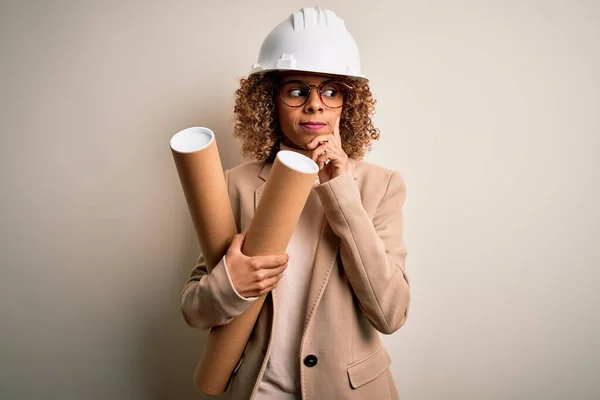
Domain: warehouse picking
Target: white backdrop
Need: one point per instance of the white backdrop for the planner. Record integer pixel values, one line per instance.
(488, 109)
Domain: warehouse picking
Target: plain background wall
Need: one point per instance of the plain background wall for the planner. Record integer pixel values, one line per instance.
(489, 109)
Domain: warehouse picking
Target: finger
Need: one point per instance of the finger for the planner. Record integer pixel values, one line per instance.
(273, 261)
(238, 241)
(266, 285)
(271, 272)
(266, 273)
(324, 160)
(319, 151)
(316, 140)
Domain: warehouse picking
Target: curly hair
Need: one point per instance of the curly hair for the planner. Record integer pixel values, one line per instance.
(257, 125)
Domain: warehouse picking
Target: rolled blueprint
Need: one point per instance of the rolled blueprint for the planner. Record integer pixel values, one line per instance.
(199, 166)
(287, 188)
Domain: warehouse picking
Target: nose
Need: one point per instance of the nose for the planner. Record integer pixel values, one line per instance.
(314, 103)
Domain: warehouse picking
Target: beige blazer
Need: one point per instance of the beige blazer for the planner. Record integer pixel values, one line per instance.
(358, 287)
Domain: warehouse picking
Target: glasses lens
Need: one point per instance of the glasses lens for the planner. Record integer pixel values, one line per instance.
(333, 94)
(294, 93)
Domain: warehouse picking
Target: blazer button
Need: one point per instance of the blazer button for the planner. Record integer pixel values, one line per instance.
(311, 360)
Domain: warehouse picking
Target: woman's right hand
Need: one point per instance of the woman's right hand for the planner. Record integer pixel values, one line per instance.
(253, 276)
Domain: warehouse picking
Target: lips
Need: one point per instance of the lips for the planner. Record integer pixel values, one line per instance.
(313, 125)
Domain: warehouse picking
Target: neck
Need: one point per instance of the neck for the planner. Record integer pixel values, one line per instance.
(306, 152)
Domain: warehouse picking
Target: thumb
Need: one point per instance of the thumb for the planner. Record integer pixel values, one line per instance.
(238, 241)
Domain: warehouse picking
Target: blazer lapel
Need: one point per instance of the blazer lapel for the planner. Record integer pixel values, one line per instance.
(263, 174)
(326, 252)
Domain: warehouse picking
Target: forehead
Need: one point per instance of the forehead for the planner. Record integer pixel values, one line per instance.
(311, 78)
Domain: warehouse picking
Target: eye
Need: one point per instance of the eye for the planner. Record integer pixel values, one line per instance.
(330, 93)
(297, 92)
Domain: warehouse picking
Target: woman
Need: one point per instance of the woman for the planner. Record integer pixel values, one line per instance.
(342, 279)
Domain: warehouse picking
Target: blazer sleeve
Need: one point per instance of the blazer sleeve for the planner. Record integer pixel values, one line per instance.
(209, 298)
(372, 251)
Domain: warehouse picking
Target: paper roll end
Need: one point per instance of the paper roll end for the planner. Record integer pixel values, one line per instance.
(192, 139)
(298, 162)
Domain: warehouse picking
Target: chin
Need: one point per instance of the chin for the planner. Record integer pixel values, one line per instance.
(300, 143)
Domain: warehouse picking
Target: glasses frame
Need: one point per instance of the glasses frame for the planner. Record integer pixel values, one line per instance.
(310, 87)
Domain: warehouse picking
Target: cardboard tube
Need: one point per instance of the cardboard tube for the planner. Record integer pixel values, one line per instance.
(289, 183)
(199, 166)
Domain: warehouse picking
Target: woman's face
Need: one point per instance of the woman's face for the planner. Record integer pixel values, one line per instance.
(301, 124)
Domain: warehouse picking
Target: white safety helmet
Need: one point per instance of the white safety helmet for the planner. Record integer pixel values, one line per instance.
(311, 40)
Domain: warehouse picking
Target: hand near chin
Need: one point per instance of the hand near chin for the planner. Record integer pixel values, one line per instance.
(327, 152)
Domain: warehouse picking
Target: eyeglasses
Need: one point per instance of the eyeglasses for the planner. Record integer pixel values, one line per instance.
(296, 93)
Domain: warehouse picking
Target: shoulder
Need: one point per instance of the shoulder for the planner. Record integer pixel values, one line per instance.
(244, 174)
(244, 169)
(380, 187)
(374, 177)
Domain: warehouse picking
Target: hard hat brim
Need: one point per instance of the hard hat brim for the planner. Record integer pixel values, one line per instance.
(360, 77)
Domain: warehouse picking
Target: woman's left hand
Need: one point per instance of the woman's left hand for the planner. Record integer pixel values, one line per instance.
(329, 155)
